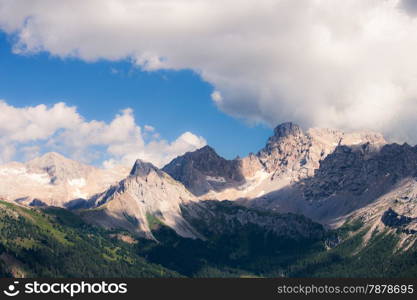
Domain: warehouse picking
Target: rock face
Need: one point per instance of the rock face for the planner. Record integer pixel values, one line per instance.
(329, 176)
(291, 152)
(58, 168)
(349, 179)
(226, 217)
(143, 169)
(361, 180)
(289, 156)
(204, 170)
(285, 148)
(146, 196)
(392, 212)
(356, 171)
(54, 180)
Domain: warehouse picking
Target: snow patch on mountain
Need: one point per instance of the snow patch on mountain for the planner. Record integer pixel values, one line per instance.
(54, 180)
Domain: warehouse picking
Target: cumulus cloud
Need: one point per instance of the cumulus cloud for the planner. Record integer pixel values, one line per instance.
(26, 132)
(149, 128)
(216, 96)
(348, 64)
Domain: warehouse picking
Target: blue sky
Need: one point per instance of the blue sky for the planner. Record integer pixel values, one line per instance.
(171, 101)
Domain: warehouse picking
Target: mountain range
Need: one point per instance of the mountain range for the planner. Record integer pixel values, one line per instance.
(310, 203)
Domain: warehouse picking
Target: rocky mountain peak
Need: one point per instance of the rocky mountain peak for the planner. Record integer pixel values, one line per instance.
(289, 155)
(287, 129)
(59, 168)
(53, 155)
(206, 150)
(55, 180)
(287, 146)
(354, 171)
(148, 193)
(48, 159)
(204, 155)
(204, 170)
(290, 149)
(286, 136)
(142, 169)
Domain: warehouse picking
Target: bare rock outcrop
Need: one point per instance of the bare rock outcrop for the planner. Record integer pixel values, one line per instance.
(289, 156)
(146, 196)
(204, 170)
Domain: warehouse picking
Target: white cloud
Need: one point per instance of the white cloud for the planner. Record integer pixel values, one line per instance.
(348, 64)
(35, 122)
(149, 128)
(216, 96)
(27, 131)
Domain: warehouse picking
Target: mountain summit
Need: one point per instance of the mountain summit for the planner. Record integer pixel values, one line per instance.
(54, 180)
(287, 129)
(142, 169)
(146, 198)
(289, 156)
(59, 168)
(204, 170)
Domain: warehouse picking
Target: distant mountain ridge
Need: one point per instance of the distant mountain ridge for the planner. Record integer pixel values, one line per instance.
(54, 180)
(324, 174)
(289, 156)
(317, 202)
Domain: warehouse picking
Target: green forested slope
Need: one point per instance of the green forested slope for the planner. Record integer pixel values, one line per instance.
(55, 242)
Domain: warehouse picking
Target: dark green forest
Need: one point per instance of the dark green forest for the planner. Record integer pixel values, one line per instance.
(53, 242)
